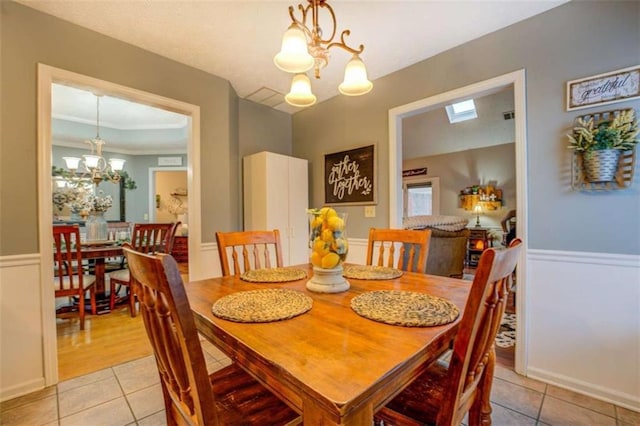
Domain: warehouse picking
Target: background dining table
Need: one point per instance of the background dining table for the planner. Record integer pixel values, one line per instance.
(98, 254)
(330, 364)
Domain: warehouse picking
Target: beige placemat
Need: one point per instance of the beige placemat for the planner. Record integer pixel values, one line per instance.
(406, 308)
(273, 275)
(368, 272)
(265, 305)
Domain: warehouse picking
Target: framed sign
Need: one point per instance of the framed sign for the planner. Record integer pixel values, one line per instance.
(604, 89)
(349, 176)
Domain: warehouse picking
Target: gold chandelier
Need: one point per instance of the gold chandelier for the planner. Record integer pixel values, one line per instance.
(305, 47)
(94, 164)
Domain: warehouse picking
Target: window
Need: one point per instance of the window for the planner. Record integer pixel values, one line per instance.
(421, 196)
(461, 111)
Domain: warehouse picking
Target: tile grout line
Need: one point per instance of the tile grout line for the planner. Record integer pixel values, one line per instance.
(126, 400)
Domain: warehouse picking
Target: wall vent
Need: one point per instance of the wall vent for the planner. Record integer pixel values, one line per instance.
(509, 115)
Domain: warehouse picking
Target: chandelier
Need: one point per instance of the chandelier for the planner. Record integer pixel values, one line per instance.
(305, 47)
(94, 165)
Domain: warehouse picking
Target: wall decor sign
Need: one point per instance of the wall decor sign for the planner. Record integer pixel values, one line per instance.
(349, 176)
(169, 161)
(604, 89)
(414, 172)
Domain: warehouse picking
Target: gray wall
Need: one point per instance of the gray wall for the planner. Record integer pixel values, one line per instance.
(28, 38)
(493, 165)
(575, 40)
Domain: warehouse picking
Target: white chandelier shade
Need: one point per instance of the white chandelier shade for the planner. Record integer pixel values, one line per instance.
(355, 81)
(294, 56)
(300, 94)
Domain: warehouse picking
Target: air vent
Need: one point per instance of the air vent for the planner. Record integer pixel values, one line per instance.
(509, 115)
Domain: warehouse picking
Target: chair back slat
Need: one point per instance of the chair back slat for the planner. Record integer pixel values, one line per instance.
(171, 329)
(153, 238)
(251, 246)
(412, 248)
(474, 343)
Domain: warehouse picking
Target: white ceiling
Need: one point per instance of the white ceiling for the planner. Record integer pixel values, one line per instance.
(237, 40)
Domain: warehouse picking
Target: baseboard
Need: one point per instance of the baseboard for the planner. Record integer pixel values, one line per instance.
(21, 389)
(620, 399)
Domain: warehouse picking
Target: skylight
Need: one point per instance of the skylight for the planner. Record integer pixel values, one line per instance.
(461, 111)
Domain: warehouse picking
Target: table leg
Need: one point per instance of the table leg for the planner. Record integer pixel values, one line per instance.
(102, 299)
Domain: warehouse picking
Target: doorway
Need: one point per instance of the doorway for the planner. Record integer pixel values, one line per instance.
(48, 75)
(516, 80)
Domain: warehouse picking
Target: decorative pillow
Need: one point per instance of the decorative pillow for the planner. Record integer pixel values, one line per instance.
(444, 223)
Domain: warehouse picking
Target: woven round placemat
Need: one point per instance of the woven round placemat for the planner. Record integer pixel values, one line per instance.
(370, 272)
(273, 275)
(406, 308)
(266, 305)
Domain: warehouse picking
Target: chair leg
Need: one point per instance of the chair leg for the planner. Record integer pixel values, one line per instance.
(81, 310)
(92, 298)
(132, 302)
(112, 295)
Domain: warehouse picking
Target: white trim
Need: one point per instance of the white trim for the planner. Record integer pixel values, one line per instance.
(607, 259)
(397, 114)
(19, 260)
(47, 75)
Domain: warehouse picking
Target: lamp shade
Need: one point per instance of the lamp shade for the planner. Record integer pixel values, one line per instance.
(91, 161)
(355, 78)
(300, 94)
(72, 162)
(117, 164)
(294, 56)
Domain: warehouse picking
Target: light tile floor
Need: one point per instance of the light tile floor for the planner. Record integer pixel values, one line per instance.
(130, 394)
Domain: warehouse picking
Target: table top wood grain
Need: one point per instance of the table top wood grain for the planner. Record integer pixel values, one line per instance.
(330, 364)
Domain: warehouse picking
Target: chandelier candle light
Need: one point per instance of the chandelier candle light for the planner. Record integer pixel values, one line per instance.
(305, 47)
(94, 164)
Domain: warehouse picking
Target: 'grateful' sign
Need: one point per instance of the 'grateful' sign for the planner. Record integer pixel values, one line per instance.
(604, 89)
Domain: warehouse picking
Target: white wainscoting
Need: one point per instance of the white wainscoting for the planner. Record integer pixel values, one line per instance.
(583, 315)
(21, 352)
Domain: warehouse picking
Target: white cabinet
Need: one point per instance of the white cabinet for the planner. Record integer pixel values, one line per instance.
(276, 196)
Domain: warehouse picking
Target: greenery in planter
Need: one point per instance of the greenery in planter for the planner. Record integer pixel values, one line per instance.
(618, 133)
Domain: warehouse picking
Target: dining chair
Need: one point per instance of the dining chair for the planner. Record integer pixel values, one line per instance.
(229, 396)
(442, 395)
(412, 245)
(147, 238)
(69, 279)
(247, 248)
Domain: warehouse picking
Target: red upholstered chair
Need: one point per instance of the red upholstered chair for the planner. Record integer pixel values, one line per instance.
(146, 238)
(69, 279)
(443, 394)
(230, 396)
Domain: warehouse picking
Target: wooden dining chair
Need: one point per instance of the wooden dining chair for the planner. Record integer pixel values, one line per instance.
(229, 396)
(248, 250)
(412, 248)
(442, 395)
(69, 279)
(147, 238)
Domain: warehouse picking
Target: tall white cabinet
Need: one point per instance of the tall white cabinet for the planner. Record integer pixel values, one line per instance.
(276, 196)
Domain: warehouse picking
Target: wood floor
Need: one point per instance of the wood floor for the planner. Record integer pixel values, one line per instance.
(107, 340)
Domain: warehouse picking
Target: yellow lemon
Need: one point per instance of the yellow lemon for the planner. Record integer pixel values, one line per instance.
(331, 213)
(316, 222)
(316, 259)
(335, 223)
(330, 261)
(321, 247)
(327, 235)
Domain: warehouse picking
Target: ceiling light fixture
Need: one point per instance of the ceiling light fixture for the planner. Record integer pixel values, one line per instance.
(94, 164)
(304, 48)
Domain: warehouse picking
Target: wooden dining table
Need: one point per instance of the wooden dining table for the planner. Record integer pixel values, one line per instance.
(98, 254)
(330, 364)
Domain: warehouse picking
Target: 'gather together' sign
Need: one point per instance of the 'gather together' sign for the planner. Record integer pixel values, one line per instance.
(349, 176)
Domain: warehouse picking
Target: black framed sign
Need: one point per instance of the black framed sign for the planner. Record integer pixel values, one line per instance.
(349, 176)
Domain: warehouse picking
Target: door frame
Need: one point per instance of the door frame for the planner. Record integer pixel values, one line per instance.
(517, 80)
(152, 187)
(47, 75)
